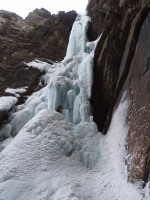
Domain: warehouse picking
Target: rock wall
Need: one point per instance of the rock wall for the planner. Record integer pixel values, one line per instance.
(122, 60)
(139, 89)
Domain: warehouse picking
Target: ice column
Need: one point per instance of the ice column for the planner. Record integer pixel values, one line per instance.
(70, 85)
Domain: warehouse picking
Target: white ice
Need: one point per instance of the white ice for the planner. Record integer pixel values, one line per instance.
(7, 102)
(62, 156)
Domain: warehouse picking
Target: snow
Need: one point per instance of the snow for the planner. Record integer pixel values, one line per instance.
(62, 156)
(42, 66)
(7, 102)
(16, 91)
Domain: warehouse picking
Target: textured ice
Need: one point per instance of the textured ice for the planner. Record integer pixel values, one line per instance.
(62, 156)
(78, 39)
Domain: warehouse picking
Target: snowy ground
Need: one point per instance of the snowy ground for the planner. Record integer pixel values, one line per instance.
(53, 159)
(53, 156)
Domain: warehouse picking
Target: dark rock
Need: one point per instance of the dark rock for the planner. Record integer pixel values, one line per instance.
(67, 18)
(18, 76)
(3, 115)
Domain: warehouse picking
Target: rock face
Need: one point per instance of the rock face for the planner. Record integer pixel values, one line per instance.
(41, 35)
(139, 129)
(122, 61)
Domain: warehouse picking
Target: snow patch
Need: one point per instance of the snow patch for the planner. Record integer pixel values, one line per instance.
(7, 102)
(42, 66)
(16, 91)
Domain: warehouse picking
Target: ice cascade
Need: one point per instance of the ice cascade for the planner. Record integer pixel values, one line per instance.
(70, 85)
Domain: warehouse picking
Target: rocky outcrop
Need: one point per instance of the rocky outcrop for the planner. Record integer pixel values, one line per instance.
(41, 35)
(38, 36)
(50, 33)
(122, 63)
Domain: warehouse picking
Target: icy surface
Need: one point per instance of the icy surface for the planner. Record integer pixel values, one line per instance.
(7, 102)
(62, 156)
(78, 39)
(51, 158)
(16, 91)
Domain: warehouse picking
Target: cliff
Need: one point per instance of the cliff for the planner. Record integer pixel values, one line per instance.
(122, 61)
(40, 35)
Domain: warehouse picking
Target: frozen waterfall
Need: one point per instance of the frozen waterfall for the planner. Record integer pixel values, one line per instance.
(68, 83)
(62, 156)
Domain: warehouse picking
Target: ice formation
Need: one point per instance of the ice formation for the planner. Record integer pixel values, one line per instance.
(56, 156)
(68, 83)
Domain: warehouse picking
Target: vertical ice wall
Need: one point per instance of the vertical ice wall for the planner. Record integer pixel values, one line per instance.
(78, 39)
(70, 85)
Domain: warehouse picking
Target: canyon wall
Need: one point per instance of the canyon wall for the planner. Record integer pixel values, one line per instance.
(122, 61)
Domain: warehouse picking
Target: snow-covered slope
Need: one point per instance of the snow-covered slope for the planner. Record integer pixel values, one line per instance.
(62, 156)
